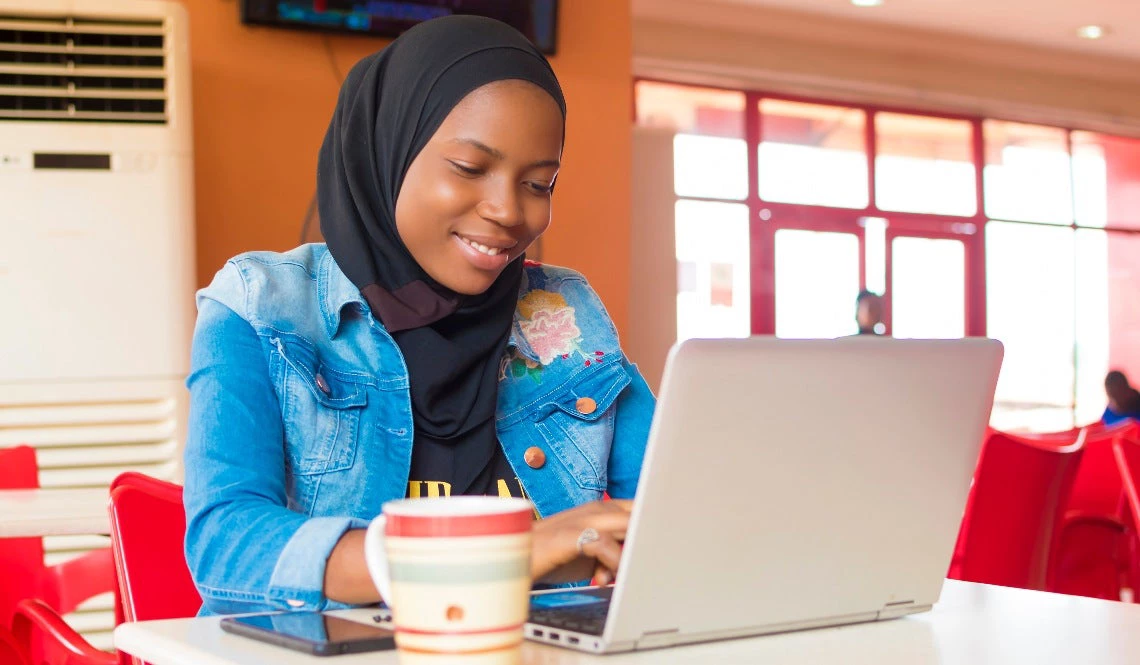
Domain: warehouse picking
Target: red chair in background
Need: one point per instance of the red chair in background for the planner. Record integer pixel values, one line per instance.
(1092, 551)
(1097, 489)
(51, 641)
(22, 571)
(1011, 520)
(155, 529)
(1126, 451)
(148, 526)
(11, 652)
(1059, 438)
(58, 589)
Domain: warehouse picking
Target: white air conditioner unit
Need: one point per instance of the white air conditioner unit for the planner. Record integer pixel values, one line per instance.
(96, 242)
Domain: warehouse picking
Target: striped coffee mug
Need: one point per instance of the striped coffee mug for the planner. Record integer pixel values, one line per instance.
(454, 570)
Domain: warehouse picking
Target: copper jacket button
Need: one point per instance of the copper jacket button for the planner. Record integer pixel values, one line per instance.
(534, 457)
(586, 406)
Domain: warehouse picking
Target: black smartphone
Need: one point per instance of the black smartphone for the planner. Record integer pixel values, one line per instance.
(312, 632)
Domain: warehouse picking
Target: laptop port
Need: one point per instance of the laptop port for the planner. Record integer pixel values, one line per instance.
(556, 636)
(536, 632)
(572, 640)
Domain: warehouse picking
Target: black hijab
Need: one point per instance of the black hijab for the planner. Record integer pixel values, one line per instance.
(390, 105)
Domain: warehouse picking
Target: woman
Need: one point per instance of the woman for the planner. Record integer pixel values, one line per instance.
(416, 354)
(1123, 399)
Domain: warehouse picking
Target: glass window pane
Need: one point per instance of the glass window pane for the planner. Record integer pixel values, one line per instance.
(1093, 314)
(924, 165)
(875, 259)
(690, 109)
(1108, 318)
(928, 288)
(713, 287)
(1029, 307)
(1106, 177)
(812, 154)
(1026, 177)
(710, 167)
(817, 280)
(710, 157)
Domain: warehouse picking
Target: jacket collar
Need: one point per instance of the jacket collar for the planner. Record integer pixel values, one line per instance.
(337, 292)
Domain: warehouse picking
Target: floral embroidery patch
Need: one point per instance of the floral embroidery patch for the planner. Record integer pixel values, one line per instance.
(548, 323)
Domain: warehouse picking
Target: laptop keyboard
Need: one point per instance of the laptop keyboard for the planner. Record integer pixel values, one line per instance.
(588, 619)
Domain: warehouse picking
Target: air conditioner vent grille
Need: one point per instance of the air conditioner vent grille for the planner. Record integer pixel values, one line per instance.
(73, 68)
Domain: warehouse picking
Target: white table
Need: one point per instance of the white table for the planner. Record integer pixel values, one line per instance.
(53, 512)
(974, 624)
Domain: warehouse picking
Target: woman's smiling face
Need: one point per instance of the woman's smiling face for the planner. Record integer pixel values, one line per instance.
(478, 194)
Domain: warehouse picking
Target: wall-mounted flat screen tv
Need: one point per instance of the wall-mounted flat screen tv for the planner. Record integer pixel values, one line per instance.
(537, 19)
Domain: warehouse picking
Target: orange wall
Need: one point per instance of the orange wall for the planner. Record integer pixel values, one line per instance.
(263, 97)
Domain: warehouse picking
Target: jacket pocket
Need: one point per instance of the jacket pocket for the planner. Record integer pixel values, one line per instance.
(577, 422)
(321, 407)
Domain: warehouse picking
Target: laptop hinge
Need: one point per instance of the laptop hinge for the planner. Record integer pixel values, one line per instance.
(900, 608)
(658, 638)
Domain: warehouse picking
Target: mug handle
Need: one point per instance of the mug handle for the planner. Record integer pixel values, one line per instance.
(376, 557)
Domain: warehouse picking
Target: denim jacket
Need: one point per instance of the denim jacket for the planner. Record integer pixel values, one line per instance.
(301, 420)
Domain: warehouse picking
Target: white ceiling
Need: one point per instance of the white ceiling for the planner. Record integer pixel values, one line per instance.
(1044, 23)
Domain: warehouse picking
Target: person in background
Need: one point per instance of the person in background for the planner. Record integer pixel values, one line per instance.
(869, 313)
(1123, 399)
(417, 353)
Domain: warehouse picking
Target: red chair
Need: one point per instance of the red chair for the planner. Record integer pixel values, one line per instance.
(59, 588)
(148, 525)
(1013, 512)
(1091, 557)
(1092, 549)
(1100, 426)
(1126, 450)
(58, 643)
(1059, 438)
(147, 528)
(1097, 489)
(11, 652)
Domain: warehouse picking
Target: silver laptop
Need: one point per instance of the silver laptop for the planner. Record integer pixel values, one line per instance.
(789, 484)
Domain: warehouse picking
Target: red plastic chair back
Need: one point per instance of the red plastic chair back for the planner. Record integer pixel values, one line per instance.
(1092, 553)
(10, 650)
(51, 641)
(1100, 426)
(57, 589)
(148, 526)
(1126, 450)
(18, 468)
(1126, 453)
(1057, 438)
(1097, 489)
(21, 559)
(1011, 519)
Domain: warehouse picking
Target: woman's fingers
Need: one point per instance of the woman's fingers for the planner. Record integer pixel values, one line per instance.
(613, 520)
(606, 550)
(557, 538)
(602, 575)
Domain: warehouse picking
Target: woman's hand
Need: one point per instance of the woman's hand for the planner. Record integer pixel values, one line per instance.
(555, 557)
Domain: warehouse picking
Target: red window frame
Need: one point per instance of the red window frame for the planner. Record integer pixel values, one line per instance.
(766, 217)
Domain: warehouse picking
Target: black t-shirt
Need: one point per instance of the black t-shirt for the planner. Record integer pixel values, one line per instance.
(431, 476)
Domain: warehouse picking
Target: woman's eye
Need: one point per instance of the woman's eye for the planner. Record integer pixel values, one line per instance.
(541, 187)
(465, 170)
